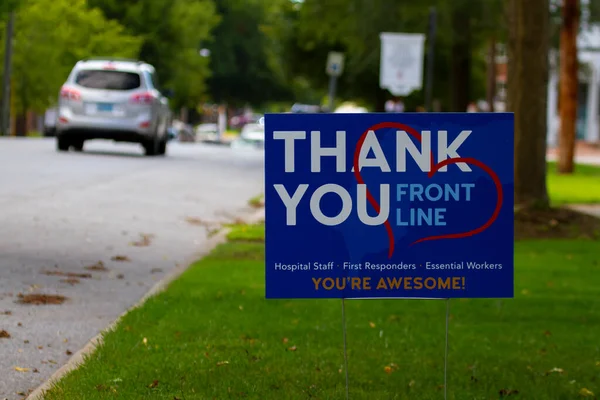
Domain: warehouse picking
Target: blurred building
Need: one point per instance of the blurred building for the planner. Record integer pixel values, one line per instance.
(588, 102)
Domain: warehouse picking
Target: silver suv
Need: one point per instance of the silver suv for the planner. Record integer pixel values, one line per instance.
(113, 99)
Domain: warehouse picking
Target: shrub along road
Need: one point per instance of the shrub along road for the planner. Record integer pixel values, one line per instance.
(90, 233)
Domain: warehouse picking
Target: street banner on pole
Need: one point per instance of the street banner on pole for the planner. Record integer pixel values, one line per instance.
(335, 64)
(389, 205)
(401, 65)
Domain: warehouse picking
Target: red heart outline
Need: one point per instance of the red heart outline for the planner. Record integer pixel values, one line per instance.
(433, 169)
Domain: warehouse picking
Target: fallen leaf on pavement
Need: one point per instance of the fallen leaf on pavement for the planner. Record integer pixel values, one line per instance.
(26, 341)
(585, 392)
(156, 270)
(19, 369)
(39, 299)
(120, 258)
(35, 371)
(194, 221)
(4, 334)
(19, 324)
(69, 353)
(99, 266)
(67, 274)
(145, 240)
(33, 288)
(120, 276)
(6, 313)
(70, 281)
(153, 384)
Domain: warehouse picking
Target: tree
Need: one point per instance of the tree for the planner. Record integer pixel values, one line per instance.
(247, 57)
(568, 85)
(528, 68)
(45, 51)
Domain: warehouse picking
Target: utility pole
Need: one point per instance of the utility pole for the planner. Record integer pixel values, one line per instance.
(5, 128)
(430, 55)
(334, 68)
(491, 78)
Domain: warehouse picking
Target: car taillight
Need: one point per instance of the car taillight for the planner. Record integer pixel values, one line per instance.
(70, 94)
(142, 98)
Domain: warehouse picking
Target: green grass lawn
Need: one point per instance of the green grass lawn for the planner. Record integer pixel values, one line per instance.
(212, 335)
(583, 187)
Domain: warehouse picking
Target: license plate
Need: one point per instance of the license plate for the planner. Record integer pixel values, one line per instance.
(104, 107)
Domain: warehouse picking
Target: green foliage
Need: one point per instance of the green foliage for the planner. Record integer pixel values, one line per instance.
(50, 37)
(248, 54)
(6, 6)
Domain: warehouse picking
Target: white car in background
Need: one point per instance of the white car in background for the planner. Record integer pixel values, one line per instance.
(207, 132)
(252, 135)
(113, 99)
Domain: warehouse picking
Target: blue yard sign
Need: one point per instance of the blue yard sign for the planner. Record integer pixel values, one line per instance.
(389, 205)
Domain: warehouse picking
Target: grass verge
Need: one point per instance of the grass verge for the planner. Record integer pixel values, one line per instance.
(583, 187)
(212, 335)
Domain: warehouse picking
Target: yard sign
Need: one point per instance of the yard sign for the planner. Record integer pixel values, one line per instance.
(389, 205)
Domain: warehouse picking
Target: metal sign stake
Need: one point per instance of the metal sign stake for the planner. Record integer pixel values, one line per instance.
(446, 351)
(345, 349)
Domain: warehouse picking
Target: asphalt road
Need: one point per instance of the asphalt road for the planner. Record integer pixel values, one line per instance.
(61, 212)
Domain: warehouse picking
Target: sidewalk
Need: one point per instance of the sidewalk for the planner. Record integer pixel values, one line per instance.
(585, 153)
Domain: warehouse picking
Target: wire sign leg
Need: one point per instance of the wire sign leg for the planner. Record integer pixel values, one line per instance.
(446, 351)
(345, 349)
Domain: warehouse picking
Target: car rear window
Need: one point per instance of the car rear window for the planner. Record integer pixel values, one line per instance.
(108, 80)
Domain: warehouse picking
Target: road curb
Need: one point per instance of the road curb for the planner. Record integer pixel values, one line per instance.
(79, 357)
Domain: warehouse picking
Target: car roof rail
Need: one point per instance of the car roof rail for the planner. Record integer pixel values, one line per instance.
(114, 59)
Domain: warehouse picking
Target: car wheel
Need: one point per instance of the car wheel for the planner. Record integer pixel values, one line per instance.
(62, 144)
(151, 147)
(162, 147)
(77, 145)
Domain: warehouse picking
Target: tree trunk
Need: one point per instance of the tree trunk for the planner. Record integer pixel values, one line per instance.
(461, 58)
(568, 85)
(491, 83)
(21, 124)
(528, 67)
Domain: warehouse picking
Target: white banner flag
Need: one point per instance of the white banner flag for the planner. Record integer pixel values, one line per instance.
(401, 65)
